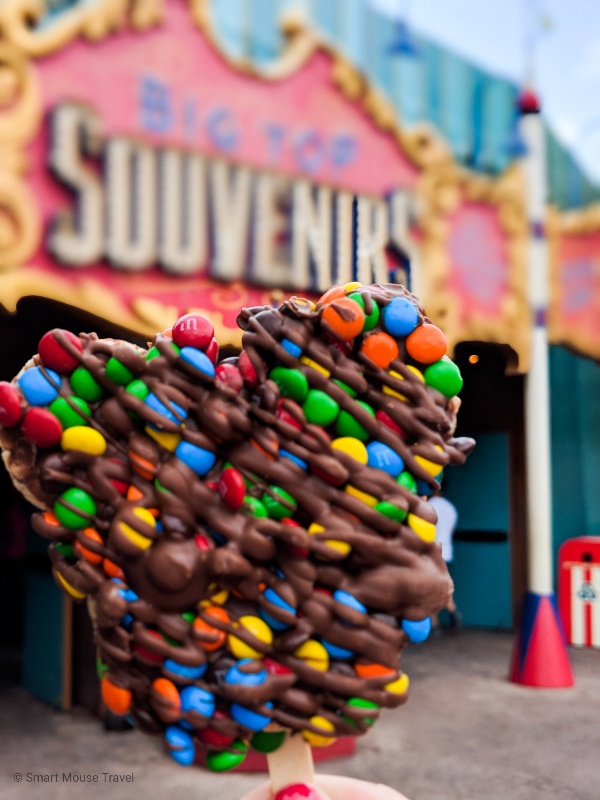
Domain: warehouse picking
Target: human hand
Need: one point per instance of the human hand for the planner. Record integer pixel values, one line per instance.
(328, 787)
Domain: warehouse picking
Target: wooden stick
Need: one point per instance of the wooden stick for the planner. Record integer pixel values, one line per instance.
(291, 763)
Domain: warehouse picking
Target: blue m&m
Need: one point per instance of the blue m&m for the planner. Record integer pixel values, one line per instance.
(417, 630)
(38, 388)
(382, 457)
(250, 718)
(198, 360)
(180, 744)
(337, 653)
(196, 458)
(237, 675)
(197, 700)
(294, 459)
(291, 347)
(182, 672)
(400, 317)
(347, 599)
(173, 412)
(277, 601)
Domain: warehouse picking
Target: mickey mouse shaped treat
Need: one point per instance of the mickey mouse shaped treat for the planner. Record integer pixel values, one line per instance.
(253, 533)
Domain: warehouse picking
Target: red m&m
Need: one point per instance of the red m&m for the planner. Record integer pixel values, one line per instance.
(54, 355)
(10, 405)
(193, 330)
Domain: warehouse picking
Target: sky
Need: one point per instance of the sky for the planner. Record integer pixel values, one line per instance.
(558, 39)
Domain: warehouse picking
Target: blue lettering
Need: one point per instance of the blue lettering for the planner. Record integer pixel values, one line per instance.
(155, 106)
(221, 129)
(309, 151)
(344, 150)
(275, 134)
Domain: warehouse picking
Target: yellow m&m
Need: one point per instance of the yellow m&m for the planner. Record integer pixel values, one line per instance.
(343, 548)
(425, 530)
(258, 629)
(313, 654)
(319, 739)
(399, 686)
(430, 466)
(138, 539)
(351, 447)
(85, 439)
(398, 377)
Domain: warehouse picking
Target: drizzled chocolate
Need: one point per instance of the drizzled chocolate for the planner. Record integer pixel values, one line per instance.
(257, 556)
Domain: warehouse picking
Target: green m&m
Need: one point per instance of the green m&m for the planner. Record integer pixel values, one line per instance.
(371, 319)
(67, 409)
(281, 505)
(358, 702)
(138, 389)
(347, 425)
(292, 382)
(154, 352)
(227, 759)
(391, 511)
(85, 385)
(348, 389)
(255, 507)
(444, 376)
(117, 372)
(267, 742)
(319, 408)
(406, 479)
(74, 508)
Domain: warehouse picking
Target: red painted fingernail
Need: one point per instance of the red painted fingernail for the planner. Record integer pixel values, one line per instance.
(297, 791)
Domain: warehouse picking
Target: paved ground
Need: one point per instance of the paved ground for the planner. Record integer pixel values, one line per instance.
(465, 734)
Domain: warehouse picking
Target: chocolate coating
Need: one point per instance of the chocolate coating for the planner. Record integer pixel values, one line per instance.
(171, 545)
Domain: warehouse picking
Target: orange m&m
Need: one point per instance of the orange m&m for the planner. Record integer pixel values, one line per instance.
(91, 535)
(380, 348)
(344, 318)
(373, 670)
(116, 698)
(332, 294)
(165, 700)
(426, 344)
(211, 638)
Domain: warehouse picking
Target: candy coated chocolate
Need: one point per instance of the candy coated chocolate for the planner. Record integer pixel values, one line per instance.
(193, 330)
(249, 533)
(10, 405)
(60, 356)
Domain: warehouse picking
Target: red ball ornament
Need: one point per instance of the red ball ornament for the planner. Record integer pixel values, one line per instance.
(53, 354)
(193, 330)
(41, 427)
(10, 404)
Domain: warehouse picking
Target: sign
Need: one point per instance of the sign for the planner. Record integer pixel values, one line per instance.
(575, 280)
(150, 174)
(579, 590)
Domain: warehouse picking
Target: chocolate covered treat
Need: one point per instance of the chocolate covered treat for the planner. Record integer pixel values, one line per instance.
(254, 533)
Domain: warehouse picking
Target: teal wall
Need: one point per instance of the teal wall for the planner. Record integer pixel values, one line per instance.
(481, 569)
(575, 420)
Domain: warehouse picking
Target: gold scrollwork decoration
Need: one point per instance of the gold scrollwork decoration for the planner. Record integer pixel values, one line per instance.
(442, 189)
(93, 20)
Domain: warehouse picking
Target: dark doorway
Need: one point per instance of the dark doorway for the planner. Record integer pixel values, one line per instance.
(489, 565)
